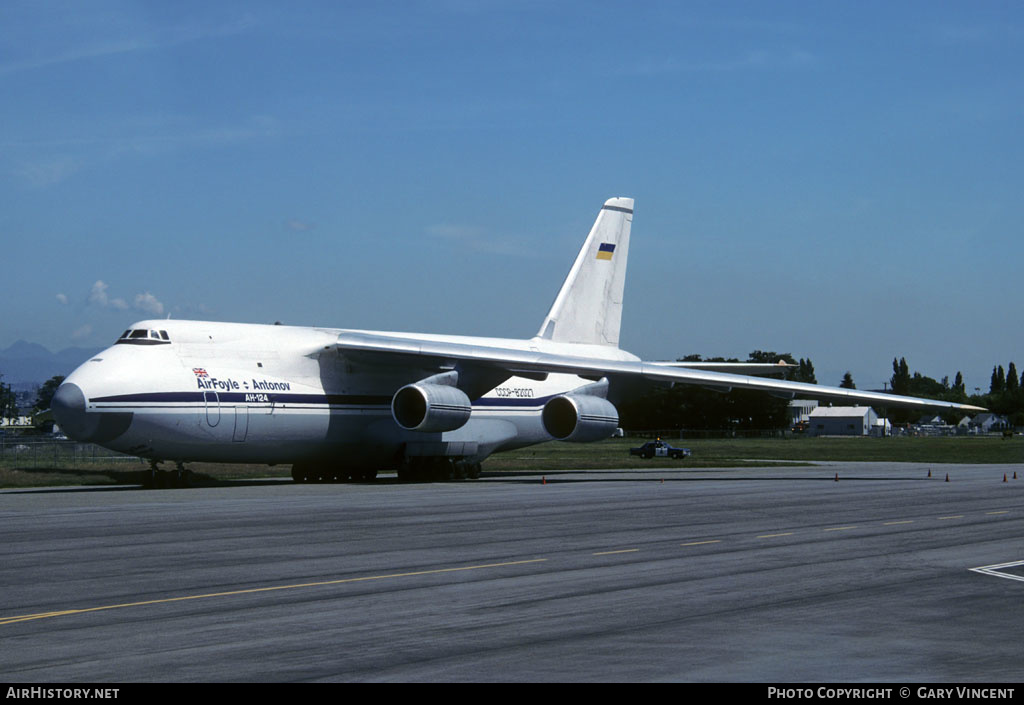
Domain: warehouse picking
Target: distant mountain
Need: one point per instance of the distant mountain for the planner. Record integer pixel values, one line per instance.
(31, 363)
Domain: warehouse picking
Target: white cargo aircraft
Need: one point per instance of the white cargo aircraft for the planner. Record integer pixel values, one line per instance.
(340, 404)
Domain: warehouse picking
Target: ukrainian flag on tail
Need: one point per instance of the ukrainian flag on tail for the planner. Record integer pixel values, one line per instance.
(605, 251)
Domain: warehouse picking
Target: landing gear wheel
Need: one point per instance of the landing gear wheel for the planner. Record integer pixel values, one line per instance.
(405, 470)
(183, 476)
(444, 469)
(151, 478)
(432, 469)
(459, 470)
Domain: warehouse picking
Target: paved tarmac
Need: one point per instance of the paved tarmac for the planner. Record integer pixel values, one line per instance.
(754, 574)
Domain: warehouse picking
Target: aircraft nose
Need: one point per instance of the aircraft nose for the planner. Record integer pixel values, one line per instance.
(68, 406)
(69, 411)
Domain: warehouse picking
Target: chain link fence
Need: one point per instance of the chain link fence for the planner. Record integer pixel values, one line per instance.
(43, 452)
(685, 433)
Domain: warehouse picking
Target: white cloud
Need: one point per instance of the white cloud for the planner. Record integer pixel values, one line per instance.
(62, 299)
(147, 303)
(98, 293)
(472, 238)
(754, 60)
(189, 310)
(76, 46)
(49, 172)
(456, 233)
(299, 225)
(98, 297)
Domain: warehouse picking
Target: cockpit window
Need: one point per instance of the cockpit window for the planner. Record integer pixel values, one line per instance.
(141, 336)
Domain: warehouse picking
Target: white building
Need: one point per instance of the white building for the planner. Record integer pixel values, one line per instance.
(842, 421)
(989, 423)
(800, 411)
(881, 428)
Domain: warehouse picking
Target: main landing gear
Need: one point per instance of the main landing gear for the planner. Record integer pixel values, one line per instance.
(412, 469)
(156, 478)
(304, 472)
(437, 469)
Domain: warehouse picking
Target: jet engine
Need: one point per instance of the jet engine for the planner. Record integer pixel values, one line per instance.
(429, 407)
(580, 418)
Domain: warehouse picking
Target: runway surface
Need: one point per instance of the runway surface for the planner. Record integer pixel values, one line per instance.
(764, 574)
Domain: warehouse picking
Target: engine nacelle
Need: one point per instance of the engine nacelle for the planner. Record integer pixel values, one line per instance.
(430, 407)
(580, 418)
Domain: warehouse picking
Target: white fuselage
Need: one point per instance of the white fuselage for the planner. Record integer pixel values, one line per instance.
(233, 392)
(332, 399)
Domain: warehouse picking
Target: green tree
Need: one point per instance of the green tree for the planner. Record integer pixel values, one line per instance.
(45, 394)
(690, 407)
(1012, 381)
(805, 372)
(900, 381)
(847, 382)
(959, 392)
(770, 357)
(998, 383)
(8, 402)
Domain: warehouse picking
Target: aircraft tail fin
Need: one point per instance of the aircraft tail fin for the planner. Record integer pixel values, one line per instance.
(588, 308)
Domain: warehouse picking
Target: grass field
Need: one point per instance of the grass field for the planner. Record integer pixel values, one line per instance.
(726, 452)
(58, 467)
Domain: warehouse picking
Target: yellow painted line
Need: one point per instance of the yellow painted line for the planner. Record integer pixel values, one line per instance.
(608, 553)
(1002, 512)
(955, 516)
(700, 543)
(771, 536)
(249, 591)
(894, 523)
(840, 528)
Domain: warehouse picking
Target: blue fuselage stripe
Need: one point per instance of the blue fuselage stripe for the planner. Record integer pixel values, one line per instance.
(278, 398)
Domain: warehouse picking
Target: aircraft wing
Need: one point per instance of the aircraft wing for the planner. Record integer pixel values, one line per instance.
(739, 368)
(531, 363)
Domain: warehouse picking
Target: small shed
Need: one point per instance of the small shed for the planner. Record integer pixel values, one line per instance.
(842, 421)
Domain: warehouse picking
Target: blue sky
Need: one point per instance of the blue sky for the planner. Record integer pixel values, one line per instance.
(838, 180)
